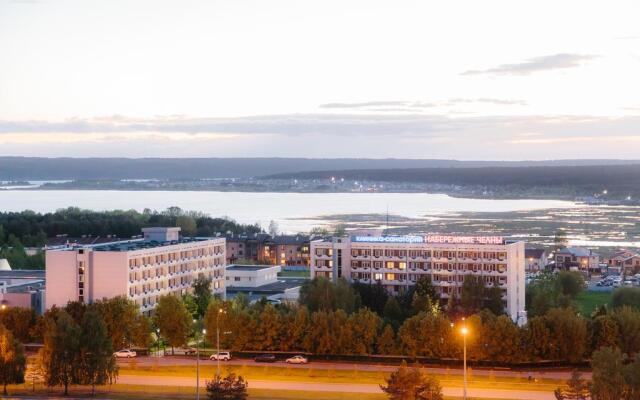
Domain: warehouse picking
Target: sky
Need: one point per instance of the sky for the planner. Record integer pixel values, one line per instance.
(468, 80)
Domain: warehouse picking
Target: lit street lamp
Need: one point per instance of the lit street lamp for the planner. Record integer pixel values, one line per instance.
(464, 332)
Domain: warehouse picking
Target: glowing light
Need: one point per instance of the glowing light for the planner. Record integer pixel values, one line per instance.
(464, 331)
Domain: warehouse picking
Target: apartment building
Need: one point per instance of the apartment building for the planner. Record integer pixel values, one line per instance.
(397, 262)
(627, 261)
(577, 259)
(144, 269)
(262, 248)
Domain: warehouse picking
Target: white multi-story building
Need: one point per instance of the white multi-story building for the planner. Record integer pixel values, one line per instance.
(397, 262)
(142, 269)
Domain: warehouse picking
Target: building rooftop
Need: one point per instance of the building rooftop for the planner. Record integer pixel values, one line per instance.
(272, 288)
(22, 274)
(534, 253)
(577, 251)
(244, 267)
(139, 244)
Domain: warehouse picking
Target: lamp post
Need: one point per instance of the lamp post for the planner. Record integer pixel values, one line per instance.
(158, 339)
(220, 311)
(464, 332)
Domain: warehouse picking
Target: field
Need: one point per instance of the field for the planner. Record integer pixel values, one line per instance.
(588, 301)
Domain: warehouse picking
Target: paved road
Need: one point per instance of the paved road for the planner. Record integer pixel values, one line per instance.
(186, 361)
(335, 387)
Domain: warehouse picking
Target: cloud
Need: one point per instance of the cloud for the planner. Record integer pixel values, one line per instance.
(536, 64)
(324, 125)
(412, 106)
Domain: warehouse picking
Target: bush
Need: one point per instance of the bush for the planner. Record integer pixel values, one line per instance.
(229, 388)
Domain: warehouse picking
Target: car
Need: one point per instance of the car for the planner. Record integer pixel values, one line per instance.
(265, 358)
(222, 356)
(297, 360)
(125, 353)
(188, 351)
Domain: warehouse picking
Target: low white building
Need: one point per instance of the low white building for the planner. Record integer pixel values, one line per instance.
(251, 275)
(142, 269)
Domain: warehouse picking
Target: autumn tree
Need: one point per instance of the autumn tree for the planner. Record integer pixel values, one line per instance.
(173, 319)
(608, 378)
(387, 341)
(20, 321)
(575, 389)
(411, 384)
(231, 387)
(12, 359)
(126, 326)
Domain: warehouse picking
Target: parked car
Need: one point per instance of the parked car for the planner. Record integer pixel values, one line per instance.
(125, 353)
(222, 356)
(297, 360)
(188, 351)
(265, 358)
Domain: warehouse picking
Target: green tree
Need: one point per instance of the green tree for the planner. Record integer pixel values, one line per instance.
(472, 294)
(125, 325)
(569, 283)
(494, 300)
(190, 302)
(607, 381)
(60, 355)
(202, 293)
(576, 389)
(425, 296)
(228, 388)
(503, 340)
(321, 294)
(411, 384)
(12, 359)
(392, 312)
(173, 319)
(98, 365)
(374, 297)
(187, 225)
(626, 296)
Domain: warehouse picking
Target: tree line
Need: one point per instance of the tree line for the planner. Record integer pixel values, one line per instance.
(31, 229)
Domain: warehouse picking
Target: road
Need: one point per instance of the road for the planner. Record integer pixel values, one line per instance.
(335, 387)
(505, 373)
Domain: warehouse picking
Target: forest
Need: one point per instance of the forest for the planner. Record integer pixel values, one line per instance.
(19, 230)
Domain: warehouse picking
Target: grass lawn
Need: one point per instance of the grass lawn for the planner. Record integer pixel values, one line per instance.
(336, 376)
(588, 301)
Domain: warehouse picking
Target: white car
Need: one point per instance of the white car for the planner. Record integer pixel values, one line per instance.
(125, 353)
(222, 356)
(297, 360)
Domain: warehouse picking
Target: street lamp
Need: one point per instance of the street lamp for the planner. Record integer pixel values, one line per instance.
(204, 331)
(464, 332)
(220, 311)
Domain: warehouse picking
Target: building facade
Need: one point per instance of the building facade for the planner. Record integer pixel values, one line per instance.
(627, 261)
(397, 262)
(535, 259)
(143, 269)
(577, 259)
(251, 275)
(261, 248)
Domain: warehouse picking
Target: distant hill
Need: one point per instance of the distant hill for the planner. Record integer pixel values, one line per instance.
(34, 168)
(624, 180)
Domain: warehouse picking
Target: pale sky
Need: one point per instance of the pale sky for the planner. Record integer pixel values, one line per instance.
(470, 80)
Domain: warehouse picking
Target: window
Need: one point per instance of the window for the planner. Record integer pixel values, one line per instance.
(236, 278)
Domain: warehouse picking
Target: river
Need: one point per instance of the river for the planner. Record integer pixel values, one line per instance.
(294, 212)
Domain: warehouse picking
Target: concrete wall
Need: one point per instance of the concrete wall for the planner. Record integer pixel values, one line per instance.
(61, 278)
